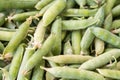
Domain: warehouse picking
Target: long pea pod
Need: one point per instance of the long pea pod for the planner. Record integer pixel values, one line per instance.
(68, 59)
(76, 40)
(16, 62)
(16, 39)
(37, 56)
(56, 9)
(106, 36)
(100, 60)
(62, 72)
(114, 74)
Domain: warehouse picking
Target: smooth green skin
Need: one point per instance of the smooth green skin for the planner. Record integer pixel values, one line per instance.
(67, 50)
(15, 4)
(19, 35)
(81, 3)
(37, 56)
(76, 40)
(77, 24)
(116, 11)
(2, 19)
(108, 21)
(16, 62)
(38, 72)
(86, 41)
(100, 14)
(53, 11)
(114, 74)
(23, 16)
(57, 30)
(100, 60)
(28, 53)
(68, 59)
(99, 46)
(79, 12)
(115, 24)
(42, 3)
(72, 73)
(109, 5)
(70, 4)
(107, 36)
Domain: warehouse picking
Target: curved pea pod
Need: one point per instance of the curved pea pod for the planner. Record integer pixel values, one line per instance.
(68, 50)
(16, 62)
(23, 16)
(28, 53)
(2, 18)
(109, 5)
(70, 4)
(92, 3)
(108, 21)
(99, 46)
(68, 59)
(38, 72)
(56, 9)
(76, 40)
(81, 3)
(86, 41)
(42, 3)
(15, 4)
(106, 36)
(16, 39)
(115, 24)
(114, 74)
(116, 11)
(62, 72)
(57, 30)
(77, 24)
(79, 12)
(100, 60)
(37, 56)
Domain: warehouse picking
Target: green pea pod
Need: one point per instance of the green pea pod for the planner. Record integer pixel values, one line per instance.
(81, 3)
(56, 9)
(37, 72)
(76, 40)
(68, 59)
(116, 10)
(108, 21)
(17, 59)
(23, 16)
(86, 41)
(42, 3)
(106, 36)
(77, 24)
(100, 60)
(79, 12)
(109, 5)
(62, 72)
(37, 56)
(114, 74)
(57, 30)
(70, 4)
(2, 18)
(115, 24)
(15, 4)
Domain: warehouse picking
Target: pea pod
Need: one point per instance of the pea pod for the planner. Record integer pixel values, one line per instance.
(62, 72)
(115, 24)
(116, 11)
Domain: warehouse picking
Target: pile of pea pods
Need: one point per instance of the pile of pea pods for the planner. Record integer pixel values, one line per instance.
(59, 39)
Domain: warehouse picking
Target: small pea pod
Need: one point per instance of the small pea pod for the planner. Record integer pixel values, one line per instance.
(86, 41)
(114, 74)
(16, 39)
(37, 56)
(106, 36)
(62, 72)
(57, 30)
(76, 40)
(116, 10)
(100, 60)
(81, 3)
(115, 24)
(68, 59)
(2, 18)
(17, 59)
(56, 9)
(42, 3)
